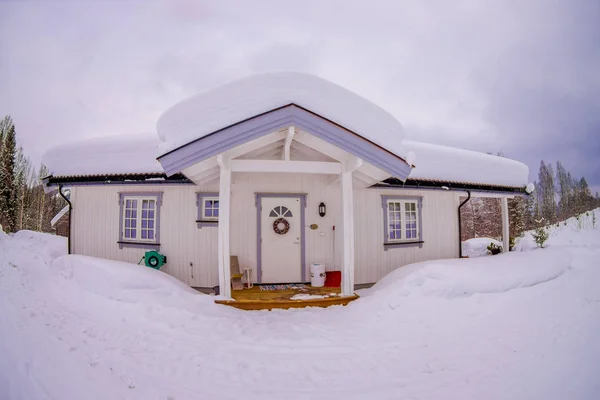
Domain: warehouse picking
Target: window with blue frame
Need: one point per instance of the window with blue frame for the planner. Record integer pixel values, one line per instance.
(402, 220)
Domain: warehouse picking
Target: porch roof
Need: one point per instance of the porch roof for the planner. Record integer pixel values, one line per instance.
(252, 129)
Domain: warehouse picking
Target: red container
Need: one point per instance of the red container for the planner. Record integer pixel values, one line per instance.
(333, 278)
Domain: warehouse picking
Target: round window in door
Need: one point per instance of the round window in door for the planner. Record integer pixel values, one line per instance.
(281, 226)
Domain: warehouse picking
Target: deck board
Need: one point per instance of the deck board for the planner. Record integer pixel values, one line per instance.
(256, 299)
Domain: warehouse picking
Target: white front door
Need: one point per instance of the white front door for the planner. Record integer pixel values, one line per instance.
(281, 242)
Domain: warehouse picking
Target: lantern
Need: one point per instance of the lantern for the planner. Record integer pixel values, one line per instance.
(322, 209)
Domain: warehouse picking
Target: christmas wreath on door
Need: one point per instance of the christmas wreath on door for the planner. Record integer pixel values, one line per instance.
(281, 226)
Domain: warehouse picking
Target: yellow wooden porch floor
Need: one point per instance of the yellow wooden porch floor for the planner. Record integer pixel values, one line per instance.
(256, 299)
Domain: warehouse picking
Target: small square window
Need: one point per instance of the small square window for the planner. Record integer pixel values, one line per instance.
(210, 208)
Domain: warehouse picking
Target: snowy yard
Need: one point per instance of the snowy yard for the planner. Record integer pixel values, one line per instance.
(524, 325)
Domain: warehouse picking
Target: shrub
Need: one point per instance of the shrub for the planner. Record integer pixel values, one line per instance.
(540, 235)
(492, 248)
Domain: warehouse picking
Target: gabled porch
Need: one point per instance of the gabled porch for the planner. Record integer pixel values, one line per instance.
(288, 141)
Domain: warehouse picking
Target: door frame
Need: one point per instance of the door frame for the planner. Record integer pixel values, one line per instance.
(258, 204)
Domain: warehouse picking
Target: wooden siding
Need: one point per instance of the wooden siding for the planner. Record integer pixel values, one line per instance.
(192, 252)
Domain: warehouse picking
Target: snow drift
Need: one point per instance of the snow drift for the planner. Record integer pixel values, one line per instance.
(117, 280)
(466, 277)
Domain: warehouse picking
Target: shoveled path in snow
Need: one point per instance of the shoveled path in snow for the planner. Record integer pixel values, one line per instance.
(66, 334)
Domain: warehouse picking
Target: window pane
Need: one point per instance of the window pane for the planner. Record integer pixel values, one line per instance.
(216, 212)
(392, 235)
(144, 235)
(133, 213)
(134, 203)
(144, 204)
(133, 232)
(207, 203)
(151, 205)
(150, 234)
(208, 212)
(133, 223)
(127, 213)
(144, 214)
(127, 233)
(272, 213)
(151, 214)
(216, 204)
(144, 223)
(150, 224)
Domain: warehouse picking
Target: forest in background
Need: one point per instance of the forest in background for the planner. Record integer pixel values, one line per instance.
(23, 202)
(558, 195)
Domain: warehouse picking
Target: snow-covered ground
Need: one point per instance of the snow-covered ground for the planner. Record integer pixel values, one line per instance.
(522, 325)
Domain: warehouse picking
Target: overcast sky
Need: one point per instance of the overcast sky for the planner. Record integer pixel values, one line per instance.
(522, 77)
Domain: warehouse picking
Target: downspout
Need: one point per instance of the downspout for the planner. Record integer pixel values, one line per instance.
(70, 214)
(459, 224)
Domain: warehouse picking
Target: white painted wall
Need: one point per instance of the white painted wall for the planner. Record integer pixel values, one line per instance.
(95, 229)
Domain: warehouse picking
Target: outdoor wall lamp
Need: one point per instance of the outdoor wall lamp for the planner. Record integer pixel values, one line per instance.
(322, 209)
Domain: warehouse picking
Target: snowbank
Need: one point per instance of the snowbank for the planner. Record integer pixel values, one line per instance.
(46, 245)
(117, 280)
(466, 277)
(117, 154)
(239, 100)
(477, 247)
(449, 164)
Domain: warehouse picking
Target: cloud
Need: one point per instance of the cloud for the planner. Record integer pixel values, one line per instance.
(515, 76)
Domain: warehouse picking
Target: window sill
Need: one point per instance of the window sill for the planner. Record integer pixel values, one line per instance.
(207, 222)
(139, 245)
(393, 245)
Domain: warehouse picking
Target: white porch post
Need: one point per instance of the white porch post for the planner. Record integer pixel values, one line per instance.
(224, 211)
(348, 231)
(505, 225)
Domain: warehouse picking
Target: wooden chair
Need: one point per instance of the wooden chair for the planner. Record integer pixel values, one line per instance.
(236, 274)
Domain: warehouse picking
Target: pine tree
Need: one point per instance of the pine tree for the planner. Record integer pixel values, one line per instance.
(42, 207)
(564, 191)
(546, 193)
(8, 207)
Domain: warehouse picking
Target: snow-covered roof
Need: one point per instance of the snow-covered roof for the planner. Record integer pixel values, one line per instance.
(449, 164)
(240, 100)
(119, 154)
(58, 216)
(237, 101)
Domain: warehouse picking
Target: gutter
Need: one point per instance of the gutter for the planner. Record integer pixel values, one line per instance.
(60, 187)
(460, 255)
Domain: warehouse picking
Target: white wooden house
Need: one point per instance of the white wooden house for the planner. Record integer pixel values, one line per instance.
(282, 170)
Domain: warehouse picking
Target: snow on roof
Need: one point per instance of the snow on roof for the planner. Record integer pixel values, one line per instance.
(216, 109)
(449, 164)
(239, 100)
(58, 216)
(119, 154)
